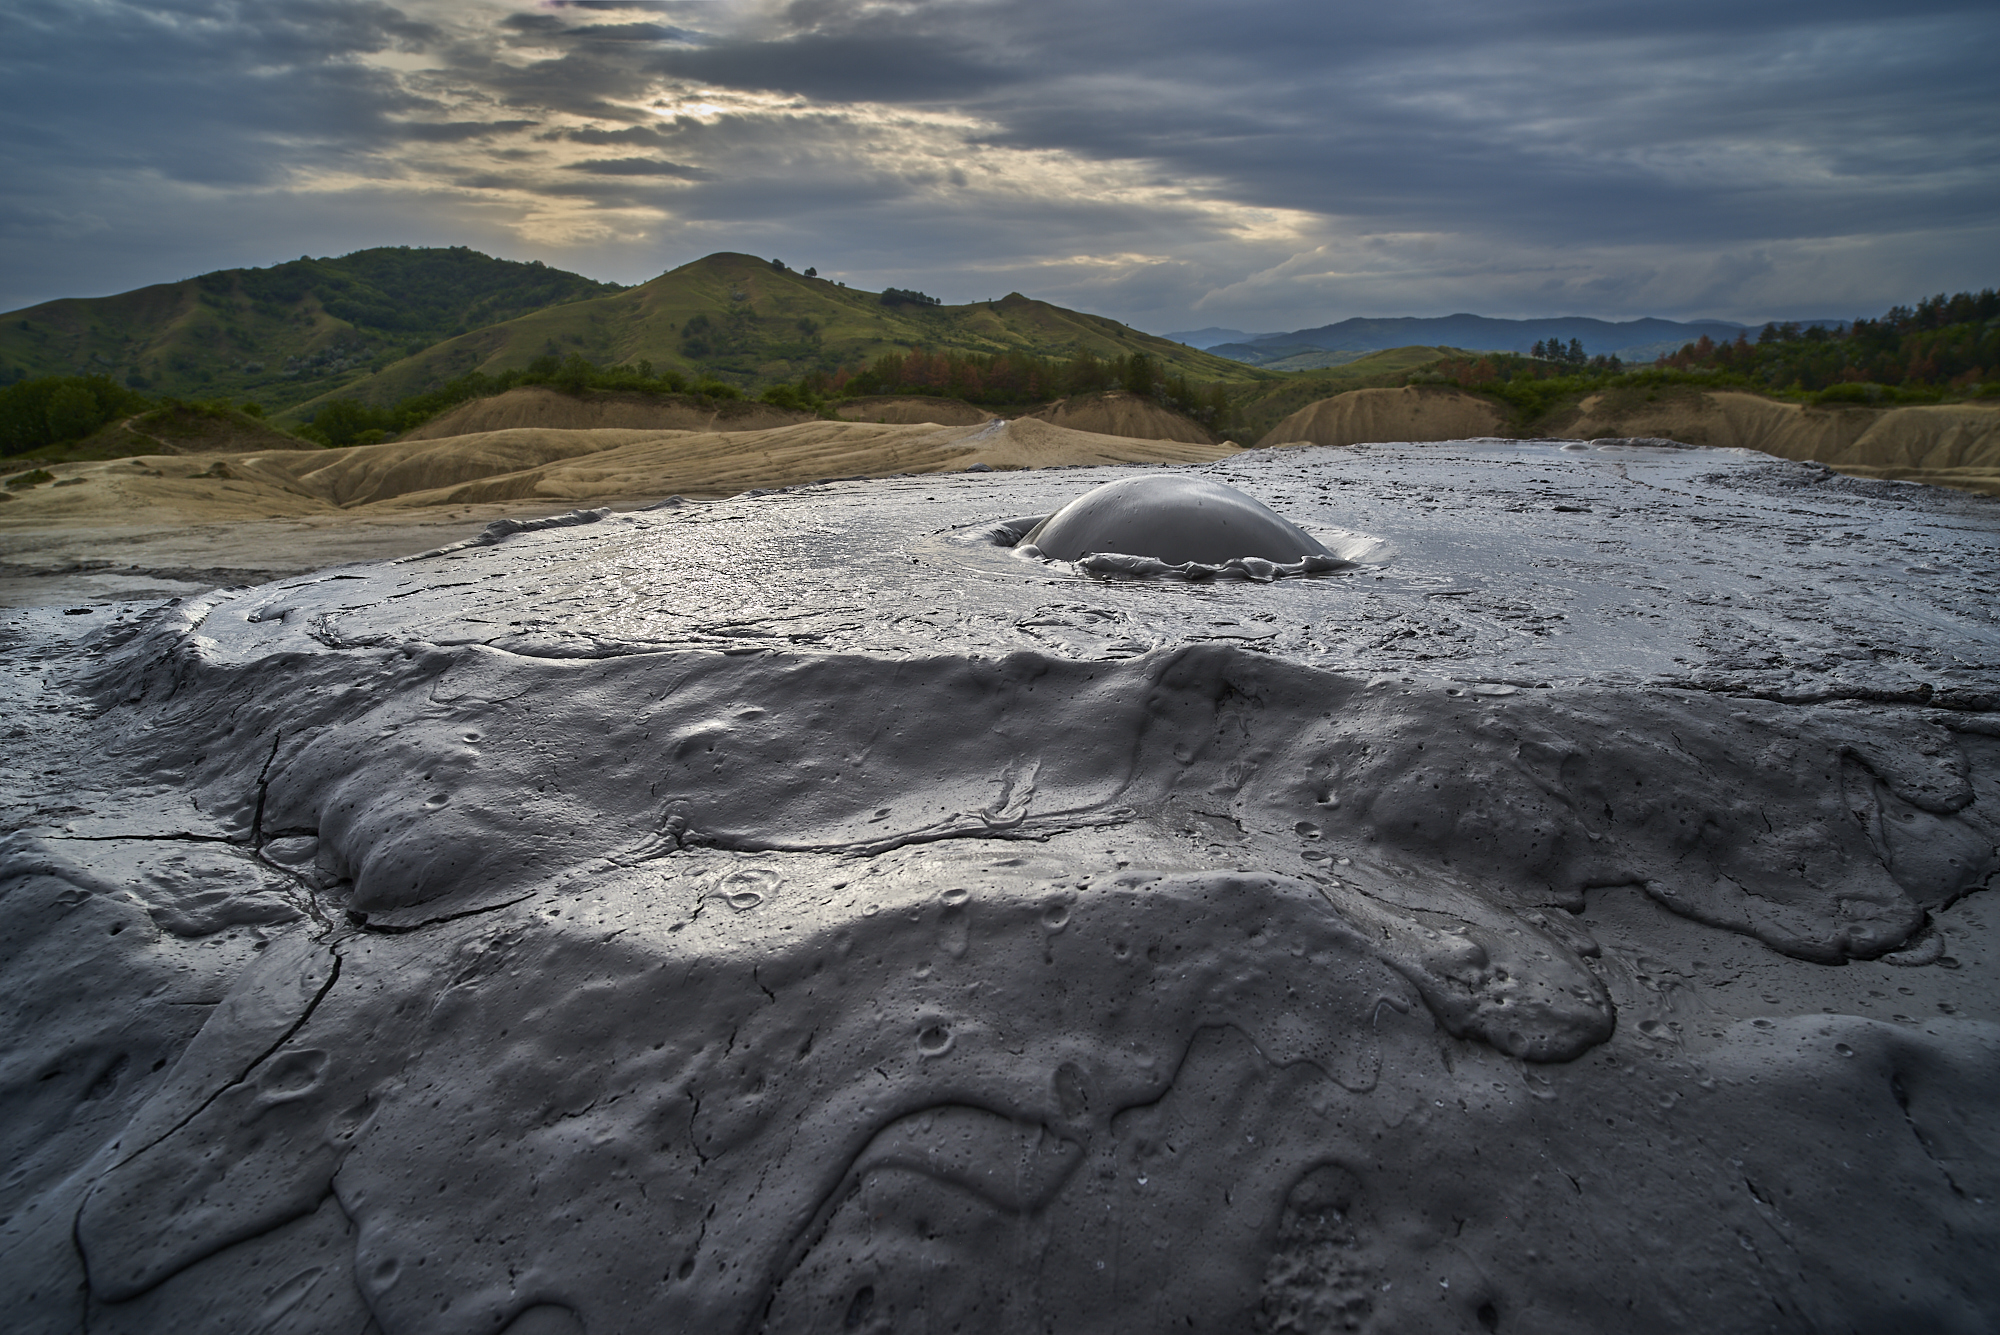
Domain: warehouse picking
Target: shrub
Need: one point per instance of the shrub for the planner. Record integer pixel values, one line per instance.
(338, 423)
(793, 397)
(1851, 392)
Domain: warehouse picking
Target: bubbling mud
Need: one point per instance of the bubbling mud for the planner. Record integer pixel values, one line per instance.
(1189, 527)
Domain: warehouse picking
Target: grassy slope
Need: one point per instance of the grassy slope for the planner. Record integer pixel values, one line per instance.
(768, 326)
(1264, 406)
(283, 334)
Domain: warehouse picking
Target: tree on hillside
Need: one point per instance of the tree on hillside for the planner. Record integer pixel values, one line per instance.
(50, 410)
(72, 412)
(345, 421)
(1139, 377)
(573, 376)
(698, 335)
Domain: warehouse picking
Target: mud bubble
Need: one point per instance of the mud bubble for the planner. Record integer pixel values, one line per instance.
(1180, 527)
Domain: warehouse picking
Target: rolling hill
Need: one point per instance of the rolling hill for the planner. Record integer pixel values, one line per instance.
(284, 334)
(753, 324)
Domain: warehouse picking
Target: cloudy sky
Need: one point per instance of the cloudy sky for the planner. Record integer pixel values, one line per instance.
(1256, 164)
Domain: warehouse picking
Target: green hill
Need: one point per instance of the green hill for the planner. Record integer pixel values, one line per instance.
(285, 334)
(753, 324)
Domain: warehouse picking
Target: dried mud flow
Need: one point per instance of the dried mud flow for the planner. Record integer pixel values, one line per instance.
(800, 912)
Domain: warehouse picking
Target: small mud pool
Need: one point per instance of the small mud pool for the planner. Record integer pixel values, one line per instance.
(795, 913)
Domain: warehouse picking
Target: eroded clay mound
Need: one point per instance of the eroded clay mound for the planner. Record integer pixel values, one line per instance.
(1410, 413)
(1172, 519)
(911, 409)
(1117, 413)
(1948, 445)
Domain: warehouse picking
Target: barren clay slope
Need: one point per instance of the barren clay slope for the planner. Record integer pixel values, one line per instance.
(527, 463)
(1411, 413)
(1113, 414)
(225, 488)
(536, 406)
(721, 463)
(1953, 445)
(911, 409)
(1121, 414)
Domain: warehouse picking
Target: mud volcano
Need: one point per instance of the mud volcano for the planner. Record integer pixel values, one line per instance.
(1564, 916)
(1171, 524)
(1173, 519)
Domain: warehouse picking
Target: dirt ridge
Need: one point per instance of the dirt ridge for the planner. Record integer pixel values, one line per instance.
(539, 406)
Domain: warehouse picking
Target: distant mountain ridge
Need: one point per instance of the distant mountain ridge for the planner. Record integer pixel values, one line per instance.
(1632, 340)
(1211, 337)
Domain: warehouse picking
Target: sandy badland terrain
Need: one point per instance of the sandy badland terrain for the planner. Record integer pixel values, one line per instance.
(1951, 445)
(157, 525)
(160, 525)
(1115, 413)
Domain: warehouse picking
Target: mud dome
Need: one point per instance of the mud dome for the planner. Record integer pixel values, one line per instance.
(741, 917)
(1173, 524)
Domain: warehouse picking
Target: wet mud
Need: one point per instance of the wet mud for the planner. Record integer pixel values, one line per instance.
(798, 913)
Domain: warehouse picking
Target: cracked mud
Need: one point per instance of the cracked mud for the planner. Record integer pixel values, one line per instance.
(1565, 916)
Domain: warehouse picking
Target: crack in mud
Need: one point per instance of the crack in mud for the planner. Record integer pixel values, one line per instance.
(1902, 1097)
(359, 919)
(332, 977)
(182, 837)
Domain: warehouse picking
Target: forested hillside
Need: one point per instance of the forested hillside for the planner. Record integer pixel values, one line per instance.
(754, 323)
(284, 334)
(1940, 344)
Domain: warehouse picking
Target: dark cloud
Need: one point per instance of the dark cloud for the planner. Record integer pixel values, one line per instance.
(1259, 164)
(633, 32)
(886, 65)
(458, 132)
(631, 134)
(635, 167)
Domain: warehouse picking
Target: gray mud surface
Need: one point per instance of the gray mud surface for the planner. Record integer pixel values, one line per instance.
(800, 913)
